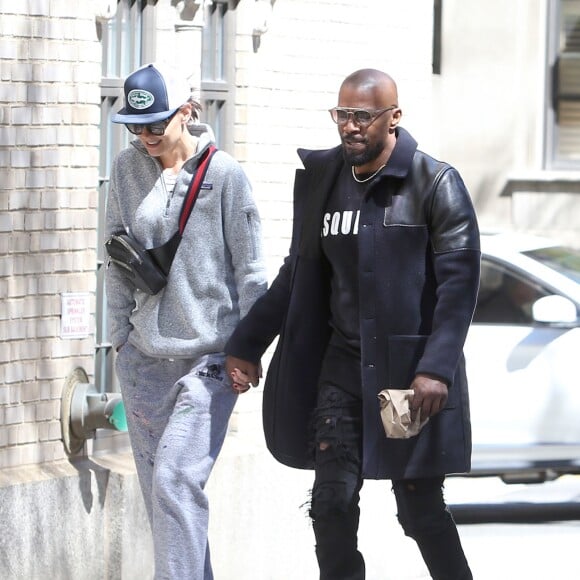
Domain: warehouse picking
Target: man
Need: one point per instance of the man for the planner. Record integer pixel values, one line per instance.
(378, 292)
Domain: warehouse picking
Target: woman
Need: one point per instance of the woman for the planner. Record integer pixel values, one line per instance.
(170, 360)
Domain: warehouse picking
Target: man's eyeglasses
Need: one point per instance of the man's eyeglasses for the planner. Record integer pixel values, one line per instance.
(360, 117)
(153, 128)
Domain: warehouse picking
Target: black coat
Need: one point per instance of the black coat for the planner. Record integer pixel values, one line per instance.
(418, 279)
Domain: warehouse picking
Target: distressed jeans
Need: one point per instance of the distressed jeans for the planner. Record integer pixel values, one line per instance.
(177, 414)
(421, 508)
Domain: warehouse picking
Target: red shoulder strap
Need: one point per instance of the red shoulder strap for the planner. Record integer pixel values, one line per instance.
(195, 186)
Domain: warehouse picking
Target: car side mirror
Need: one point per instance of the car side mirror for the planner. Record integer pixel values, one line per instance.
(554, 309)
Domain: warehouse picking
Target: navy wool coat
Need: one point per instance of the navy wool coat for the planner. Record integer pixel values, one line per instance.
(418, 278)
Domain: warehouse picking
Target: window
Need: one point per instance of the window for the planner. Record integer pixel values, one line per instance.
(437, 33)
(563, 139)
(565, 261)
(217, 70)
(122, 41)
(504, 297)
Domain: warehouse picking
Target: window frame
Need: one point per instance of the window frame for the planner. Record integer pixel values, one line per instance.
(554, 159)
(127, 42)
(218, 70)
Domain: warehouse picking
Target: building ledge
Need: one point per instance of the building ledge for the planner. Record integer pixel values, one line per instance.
(543, 182)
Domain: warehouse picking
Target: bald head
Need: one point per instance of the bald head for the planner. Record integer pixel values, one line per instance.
(368, 140)
(375, 82)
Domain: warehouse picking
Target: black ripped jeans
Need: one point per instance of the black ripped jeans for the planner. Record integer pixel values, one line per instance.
(421, 509)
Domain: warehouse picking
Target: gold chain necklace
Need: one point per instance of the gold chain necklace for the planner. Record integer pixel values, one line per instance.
(366, 179)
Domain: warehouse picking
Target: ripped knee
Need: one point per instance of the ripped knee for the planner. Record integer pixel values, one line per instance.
(337, 479)
(337, 443)
(421, 508)
(330, 498)
(324, 444)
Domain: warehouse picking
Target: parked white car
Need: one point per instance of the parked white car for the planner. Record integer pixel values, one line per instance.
(523, 360)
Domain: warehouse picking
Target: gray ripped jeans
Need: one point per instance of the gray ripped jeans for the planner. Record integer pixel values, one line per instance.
(177, 413)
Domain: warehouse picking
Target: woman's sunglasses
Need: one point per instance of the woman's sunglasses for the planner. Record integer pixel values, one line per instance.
(153, 128)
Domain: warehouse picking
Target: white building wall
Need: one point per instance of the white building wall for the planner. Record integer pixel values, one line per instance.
(284, 90)
(489, 101)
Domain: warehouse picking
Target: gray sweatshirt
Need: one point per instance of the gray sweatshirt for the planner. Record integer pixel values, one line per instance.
(218, 271)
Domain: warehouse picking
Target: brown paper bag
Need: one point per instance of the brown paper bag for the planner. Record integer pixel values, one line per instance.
(396, 414)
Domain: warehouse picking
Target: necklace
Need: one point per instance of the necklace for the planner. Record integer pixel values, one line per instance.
(367, 178)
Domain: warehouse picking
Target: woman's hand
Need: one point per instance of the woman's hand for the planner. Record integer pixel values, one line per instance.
(243, 374)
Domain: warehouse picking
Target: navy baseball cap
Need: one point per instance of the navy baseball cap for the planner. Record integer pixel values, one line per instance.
(152, 93)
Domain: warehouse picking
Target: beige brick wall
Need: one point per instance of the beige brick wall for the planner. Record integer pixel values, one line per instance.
(49, 137)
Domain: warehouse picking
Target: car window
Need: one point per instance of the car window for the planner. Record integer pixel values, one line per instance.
(505, 298)
(563, 260)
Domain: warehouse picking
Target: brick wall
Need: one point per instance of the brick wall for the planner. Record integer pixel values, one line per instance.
(49, 137)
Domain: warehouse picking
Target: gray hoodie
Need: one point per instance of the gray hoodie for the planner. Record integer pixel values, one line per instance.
(218, 271)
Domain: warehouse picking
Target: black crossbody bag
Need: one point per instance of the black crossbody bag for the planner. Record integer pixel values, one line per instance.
(148, 269)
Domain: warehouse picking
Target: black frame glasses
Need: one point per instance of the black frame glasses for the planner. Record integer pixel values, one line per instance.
(360, 117)
(157, 129)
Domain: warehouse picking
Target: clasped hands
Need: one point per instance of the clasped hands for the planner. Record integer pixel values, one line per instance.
(243, 374)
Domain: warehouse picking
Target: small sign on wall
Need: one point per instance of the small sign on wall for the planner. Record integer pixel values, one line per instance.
(75, 316)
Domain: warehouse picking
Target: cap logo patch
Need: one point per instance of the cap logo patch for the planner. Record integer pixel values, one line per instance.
(140, 99)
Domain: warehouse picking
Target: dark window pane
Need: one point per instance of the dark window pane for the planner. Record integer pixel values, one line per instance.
(505, 298)
(563, 260)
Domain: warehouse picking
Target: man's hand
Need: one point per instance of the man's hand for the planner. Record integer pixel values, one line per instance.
(243, 374)
(430, 396)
